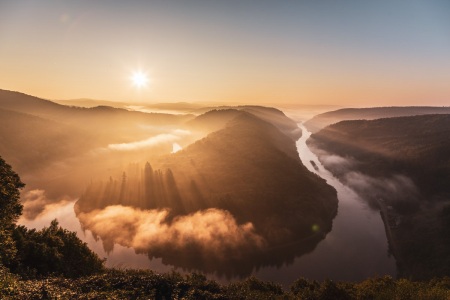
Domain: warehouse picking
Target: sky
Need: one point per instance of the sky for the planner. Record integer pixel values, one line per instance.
(334, 52)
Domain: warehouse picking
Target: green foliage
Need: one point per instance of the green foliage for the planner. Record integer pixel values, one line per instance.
(253, 288)
(53, 250)
(8, 282)
(145, 284)
(10, 209)
(307, 289)
(376, 288)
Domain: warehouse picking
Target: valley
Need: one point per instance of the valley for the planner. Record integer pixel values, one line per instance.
(243, 179)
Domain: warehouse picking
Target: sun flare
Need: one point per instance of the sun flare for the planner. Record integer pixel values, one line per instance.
(139, 79)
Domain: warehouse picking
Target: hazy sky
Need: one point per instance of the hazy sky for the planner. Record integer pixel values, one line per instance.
(393, 52)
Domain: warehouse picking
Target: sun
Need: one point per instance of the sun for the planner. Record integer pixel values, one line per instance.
(139, 79)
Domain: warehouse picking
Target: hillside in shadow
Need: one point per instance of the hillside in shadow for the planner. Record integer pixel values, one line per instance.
(401, 166)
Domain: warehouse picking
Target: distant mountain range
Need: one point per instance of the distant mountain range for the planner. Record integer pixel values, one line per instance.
(39, 136)
(324, 119)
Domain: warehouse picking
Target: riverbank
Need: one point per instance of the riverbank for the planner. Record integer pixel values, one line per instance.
(391, 221)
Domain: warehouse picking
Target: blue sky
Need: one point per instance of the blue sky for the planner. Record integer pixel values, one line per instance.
(311, 52)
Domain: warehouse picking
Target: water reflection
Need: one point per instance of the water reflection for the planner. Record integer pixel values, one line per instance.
(119, 257)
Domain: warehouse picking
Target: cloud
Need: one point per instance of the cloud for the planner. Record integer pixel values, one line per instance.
(208, 233)
(151, 142)
(395, 187)
(338, 165)
(35, 204)
(176, 147)
(155, 110)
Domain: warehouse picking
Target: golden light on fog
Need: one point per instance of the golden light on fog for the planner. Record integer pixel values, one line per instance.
(139, 79)
(176, 147)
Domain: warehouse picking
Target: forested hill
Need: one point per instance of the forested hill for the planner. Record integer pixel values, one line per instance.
(322, 120)
(417, 146)
(215, 119)
(248, 168)
(401, 165)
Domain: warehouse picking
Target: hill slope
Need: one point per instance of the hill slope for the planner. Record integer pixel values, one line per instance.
(215, 119)
(109, 123)
(402, 166)
(53, 146)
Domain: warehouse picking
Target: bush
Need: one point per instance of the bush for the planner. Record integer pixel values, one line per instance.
(253, 288)
(8, 282)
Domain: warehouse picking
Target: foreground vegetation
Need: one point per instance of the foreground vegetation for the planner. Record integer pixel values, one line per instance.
(133, 284)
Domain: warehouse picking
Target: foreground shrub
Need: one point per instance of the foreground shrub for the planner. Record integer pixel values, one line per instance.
(8, 282)
(53, 251)
(253, 288)
(10, 210)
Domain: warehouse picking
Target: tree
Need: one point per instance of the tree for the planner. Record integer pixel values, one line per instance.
(10, 210)
(53, 250)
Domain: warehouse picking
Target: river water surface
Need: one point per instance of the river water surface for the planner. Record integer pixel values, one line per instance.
(356, 247)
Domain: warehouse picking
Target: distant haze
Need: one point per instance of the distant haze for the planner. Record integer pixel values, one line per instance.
(358, 53)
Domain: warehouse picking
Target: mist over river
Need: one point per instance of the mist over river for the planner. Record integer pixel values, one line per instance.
(356, 247)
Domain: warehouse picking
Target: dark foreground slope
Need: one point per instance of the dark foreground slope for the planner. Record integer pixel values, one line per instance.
(322, 120)
(402, 166)
(249, 174)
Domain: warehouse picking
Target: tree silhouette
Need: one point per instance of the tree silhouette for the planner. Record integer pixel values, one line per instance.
(148, 186)
(122, 188)
(10, 210)
(53, 250)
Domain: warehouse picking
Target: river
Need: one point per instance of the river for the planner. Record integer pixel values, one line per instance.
(356, 247)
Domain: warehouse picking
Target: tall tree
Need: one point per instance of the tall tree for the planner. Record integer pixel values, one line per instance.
(10, 210)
